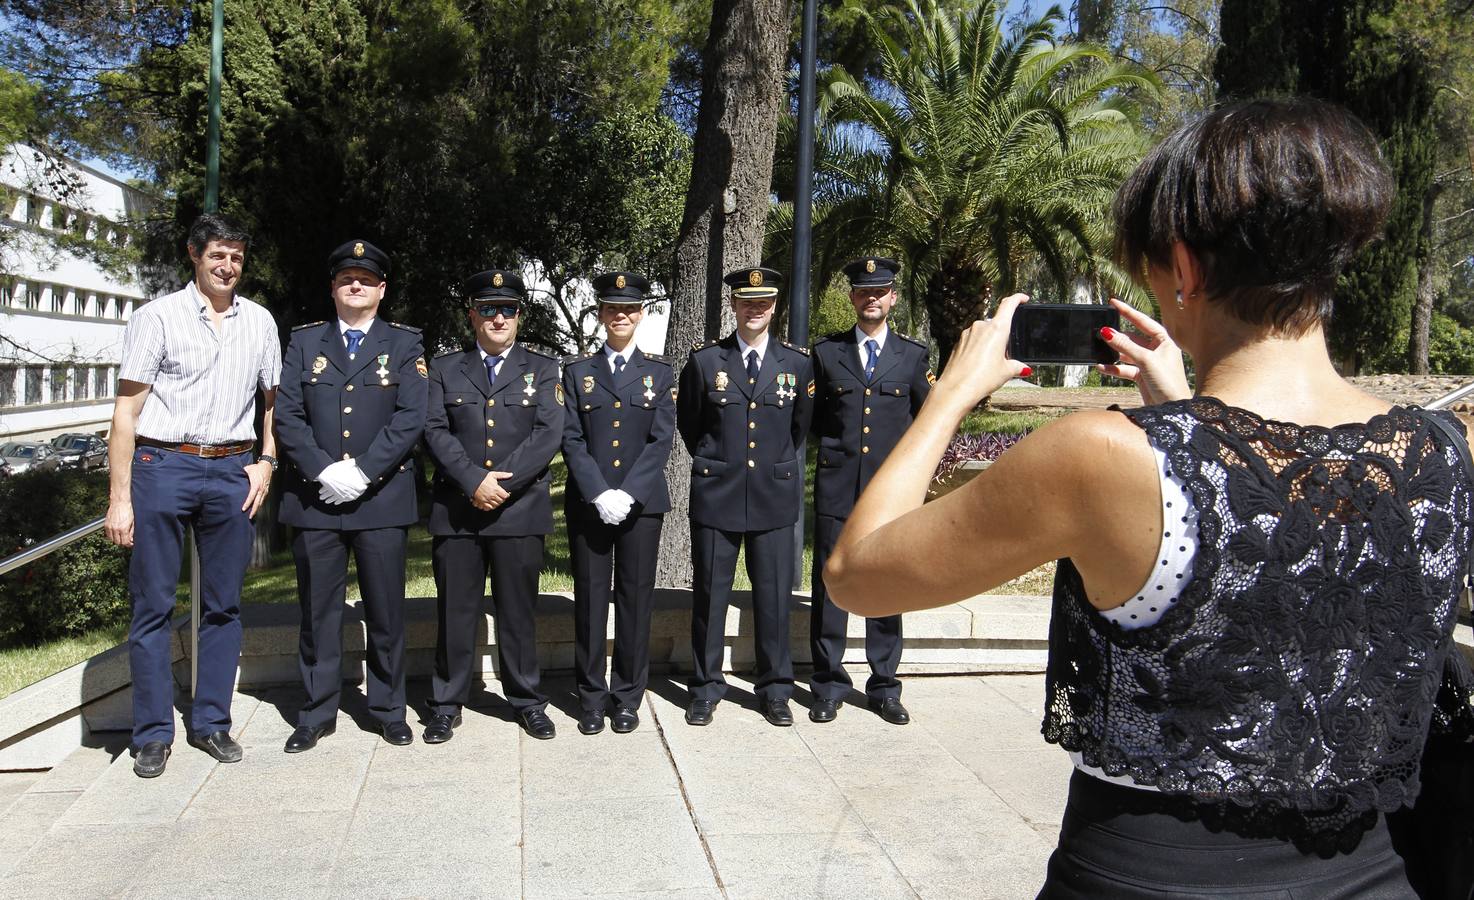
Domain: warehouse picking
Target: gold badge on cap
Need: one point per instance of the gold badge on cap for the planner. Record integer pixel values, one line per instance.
(358, 249)
(619, 281)
(755, 278)
(496, 280)
(721, 384)
(319, 365)
(870, 265)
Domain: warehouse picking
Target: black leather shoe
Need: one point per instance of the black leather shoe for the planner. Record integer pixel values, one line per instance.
(777, 712)
(891, 710)
(307, 736)
(397, 733)
(591, 721)
(441, 727)
(699, 712)
(536, 723)
(220, 746)
(150, 759)
(824, 710)
(625, 720)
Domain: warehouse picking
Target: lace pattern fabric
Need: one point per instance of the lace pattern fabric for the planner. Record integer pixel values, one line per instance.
(1300, 665)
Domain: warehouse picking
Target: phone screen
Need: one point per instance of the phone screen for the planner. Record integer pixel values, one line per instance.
(1062, 333)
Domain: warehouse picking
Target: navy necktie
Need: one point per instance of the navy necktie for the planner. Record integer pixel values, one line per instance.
(355, 337)
(491, 364)
(618, 363)
(874, 349)
(752, 365)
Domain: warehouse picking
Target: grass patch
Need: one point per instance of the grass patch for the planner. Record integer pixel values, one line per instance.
(1007, 421)
(20, 666)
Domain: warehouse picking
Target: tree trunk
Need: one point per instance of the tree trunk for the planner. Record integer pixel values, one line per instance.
(956, 296)
(1422, 313)
(732, 162)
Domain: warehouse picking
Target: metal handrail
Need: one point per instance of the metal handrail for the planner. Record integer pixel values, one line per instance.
(1452, 397)
(36, 551)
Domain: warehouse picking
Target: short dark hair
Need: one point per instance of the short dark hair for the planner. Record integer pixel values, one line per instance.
(216, 227)
(1274, 196)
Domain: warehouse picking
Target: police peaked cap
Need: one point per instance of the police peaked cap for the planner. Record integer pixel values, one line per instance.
(621, 288)
(872, 271)
(755, 283)
(358, 254)
(495, 283)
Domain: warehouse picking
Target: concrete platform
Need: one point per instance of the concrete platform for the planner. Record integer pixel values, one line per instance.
(964, 802)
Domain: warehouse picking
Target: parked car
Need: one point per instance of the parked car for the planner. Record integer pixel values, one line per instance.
(28, 456)
(80, 451)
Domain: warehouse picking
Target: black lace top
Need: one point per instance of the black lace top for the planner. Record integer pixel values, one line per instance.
(1299, 667)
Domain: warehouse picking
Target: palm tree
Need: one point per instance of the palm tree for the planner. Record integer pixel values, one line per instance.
(975, 153)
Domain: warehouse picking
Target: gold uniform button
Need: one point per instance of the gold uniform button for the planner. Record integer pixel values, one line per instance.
(866, 429)
(864, 449)
(752, 405)
(458, 399)
(867, 392)
(867, 410)
(587, 406)
(616, 423)
(347, 433)
(490, 442)
(706, 471)
(347, 410)
(347, 456)
(751, 464)
(348, 388)
(491, 402)
(491, 423)
(384, 382)
(751, 444)
(614, 443)
(751, 424)
(616, 464)
(617, 404)
(898, 392)
(488, 464)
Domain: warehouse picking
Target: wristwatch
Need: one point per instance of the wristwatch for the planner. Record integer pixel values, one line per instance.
(268, 459)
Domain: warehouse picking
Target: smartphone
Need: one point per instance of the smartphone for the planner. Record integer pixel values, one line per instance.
(1062, 333)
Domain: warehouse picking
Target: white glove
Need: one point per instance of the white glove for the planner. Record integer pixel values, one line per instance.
(611, 508)
(342, 482)
(626, 502)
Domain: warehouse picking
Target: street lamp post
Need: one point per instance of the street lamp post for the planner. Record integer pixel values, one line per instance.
(212, 133)
(803, 203)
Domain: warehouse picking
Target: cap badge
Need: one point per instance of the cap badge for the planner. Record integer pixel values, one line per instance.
(358, 249)
(755, 278)
(870, 265)
(619, 281)
(496, 280)
(721, 384)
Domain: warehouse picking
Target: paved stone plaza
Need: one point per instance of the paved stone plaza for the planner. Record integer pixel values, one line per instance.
(964, 802)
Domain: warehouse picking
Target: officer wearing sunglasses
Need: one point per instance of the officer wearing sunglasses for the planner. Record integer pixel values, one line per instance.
(495, 421)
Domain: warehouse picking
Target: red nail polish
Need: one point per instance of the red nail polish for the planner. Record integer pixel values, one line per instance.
(1108, 333)
(1026, 372)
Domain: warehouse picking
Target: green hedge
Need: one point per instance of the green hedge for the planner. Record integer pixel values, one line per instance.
(71, 591)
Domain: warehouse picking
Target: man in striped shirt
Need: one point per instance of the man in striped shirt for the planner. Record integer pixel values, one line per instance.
(181, 452)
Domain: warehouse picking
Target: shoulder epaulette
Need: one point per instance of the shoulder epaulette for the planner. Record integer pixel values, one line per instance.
(446, 353)
(660, 359)
(796, 348)
(310, 325)
(410, 328)
(702, 345)
(838, 335)
(577, 357)
(906, 337)
(547, 356)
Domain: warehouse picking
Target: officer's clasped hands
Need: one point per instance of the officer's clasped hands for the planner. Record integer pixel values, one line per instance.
(342, 482)
(613, 506)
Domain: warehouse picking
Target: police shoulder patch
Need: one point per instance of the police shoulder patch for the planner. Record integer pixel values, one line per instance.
(931, 377)
(422, 368)
(558, 391)
(309, 325)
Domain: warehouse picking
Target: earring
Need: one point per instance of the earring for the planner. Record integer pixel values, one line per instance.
(1179, 300)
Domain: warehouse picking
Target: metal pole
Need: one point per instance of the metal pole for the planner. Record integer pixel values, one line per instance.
(803, 203)
(194, 613)
(212, 132)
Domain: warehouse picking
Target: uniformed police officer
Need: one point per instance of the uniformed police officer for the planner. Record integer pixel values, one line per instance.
(495, 421)
(620, 420)
(870, 382)
(743, 408)
(349, 413)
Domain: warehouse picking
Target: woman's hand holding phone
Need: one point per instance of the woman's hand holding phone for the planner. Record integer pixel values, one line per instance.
(979, 364)
(1149, 358)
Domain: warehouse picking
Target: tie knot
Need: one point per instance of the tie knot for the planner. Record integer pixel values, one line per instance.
(493, 361)
(354, 333)
(872, 346)
(619, 361)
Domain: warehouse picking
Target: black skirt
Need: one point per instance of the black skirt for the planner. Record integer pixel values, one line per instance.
(1121, 842)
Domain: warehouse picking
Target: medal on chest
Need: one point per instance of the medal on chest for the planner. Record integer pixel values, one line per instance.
(529, 390)
(383, 370)
(649, 388)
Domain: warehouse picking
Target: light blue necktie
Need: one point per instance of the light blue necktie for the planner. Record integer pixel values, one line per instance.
(355, 337)
(491, 363)
(874, 349)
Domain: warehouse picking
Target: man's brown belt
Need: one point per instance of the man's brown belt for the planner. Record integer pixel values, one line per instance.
(207, 451)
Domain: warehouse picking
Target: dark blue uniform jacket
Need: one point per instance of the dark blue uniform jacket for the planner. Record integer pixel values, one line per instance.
(370, 409)
(743, 438)
(618, 430)
(859, 423)
(473, 429)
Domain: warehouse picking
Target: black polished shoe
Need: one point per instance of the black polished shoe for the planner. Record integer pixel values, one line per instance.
(220, 746)
(397, 733)
(149, 761)
(777, 713)
(699, 712)
(537, 724)
(891, 710)
(591, 721)
(823, 710)
(441, 727)
(307, 736)
(625, 719)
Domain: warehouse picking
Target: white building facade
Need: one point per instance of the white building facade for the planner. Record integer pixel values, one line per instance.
(62, 313)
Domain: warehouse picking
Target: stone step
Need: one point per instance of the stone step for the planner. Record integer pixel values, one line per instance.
(29, 814)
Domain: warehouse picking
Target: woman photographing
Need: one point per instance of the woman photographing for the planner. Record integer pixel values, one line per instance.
(1257, 584)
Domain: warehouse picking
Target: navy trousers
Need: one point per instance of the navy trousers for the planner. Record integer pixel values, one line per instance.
(172, 490)
(770, 566)
(828, 624)
(626, 552)
(322, 587)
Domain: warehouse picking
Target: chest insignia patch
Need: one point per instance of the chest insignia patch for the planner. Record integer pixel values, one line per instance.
(588, 384)
(319, 365)
(721, 382)
(421, 368)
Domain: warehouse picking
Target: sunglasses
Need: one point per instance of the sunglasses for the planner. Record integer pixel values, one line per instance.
(489, 310)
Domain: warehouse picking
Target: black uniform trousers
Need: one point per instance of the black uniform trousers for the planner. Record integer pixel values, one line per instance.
(322, 582)
(770, 567)
(460, 585)
(627, 552)
(827, 625)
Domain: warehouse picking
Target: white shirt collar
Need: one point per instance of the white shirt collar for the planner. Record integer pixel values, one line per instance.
(879, 337)
(344, 326)
(762, 349)
(202, 303)
(610, 353)
(485, 355)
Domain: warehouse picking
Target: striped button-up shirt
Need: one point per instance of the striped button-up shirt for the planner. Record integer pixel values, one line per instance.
(202, 382)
